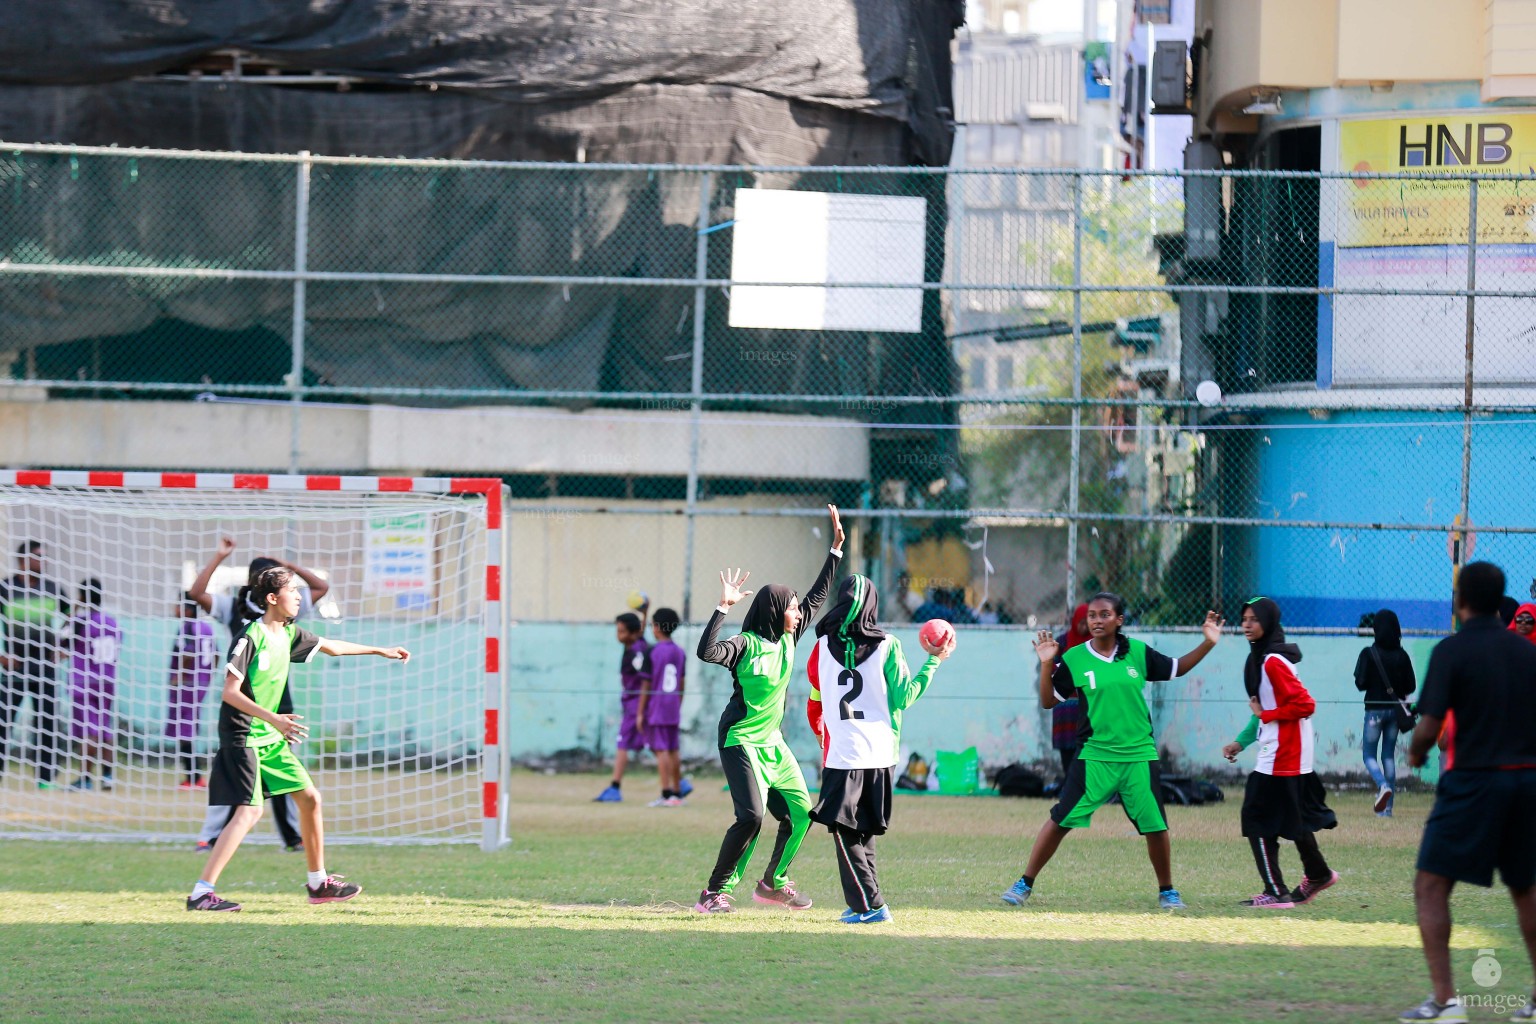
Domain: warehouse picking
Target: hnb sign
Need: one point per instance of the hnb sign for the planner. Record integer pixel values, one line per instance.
(1482, 143)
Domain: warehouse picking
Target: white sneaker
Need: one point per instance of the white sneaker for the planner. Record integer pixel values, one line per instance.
(1383, 798)
(660, 801)
(1450, 1013)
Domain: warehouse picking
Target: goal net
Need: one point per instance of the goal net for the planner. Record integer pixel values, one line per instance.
(109, 687)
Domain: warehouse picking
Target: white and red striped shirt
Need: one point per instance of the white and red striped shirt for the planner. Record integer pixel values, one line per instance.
(1285, 724)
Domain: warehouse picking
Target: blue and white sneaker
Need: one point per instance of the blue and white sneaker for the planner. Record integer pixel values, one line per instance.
(1017, 893)
(876, 916)
(1169, 899)
(1446, 1013)
(684, 788)
(611, 795)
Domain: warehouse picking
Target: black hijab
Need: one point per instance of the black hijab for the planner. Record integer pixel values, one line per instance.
(1389, 632)
(1272, 642)
(765, 616)
(849, 625)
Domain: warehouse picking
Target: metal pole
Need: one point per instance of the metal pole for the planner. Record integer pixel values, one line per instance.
(1464, 518)
(1073, 489)
(696, 406)
(300, 267)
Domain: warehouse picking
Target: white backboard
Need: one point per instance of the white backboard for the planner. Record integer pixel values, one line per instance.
(820, 238)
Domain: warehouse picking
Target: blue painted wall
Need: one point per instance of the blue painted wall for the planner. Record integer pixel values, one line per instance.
(1385, 467)
(564, 694)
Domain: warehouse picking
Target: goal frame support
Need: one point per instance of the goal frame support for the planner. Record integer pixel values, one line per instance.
(493, 764)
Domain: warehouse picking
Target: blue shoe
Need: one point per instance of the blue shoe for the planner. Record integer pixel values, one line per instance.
(1017, 893)
(684, 788)
(611, 795)
(876, 916)
(1169, 899)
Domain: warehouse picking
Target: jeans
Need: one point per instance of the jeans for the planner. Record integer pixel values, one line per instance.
(1380, 730)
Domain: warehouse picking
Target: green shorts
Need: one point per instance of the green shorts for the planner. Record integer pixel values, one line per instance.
(1090, 784)
(244, 775)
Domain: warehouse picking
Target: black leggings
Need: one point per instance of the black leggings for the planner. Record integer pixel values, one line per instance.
(856, 867)
(1266, 856)
(736, 848)
(46, 724)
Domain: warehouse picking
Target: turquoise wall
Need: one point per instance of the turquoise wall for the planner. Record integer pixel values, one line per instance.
(564, 694)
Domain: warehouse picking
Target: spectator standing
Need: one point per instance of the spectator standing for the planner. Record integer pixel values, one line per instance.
(33, 609)
(1384, 673)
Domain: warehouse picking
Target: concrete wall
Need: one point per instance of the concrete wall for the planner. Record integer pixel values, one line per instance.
(254, 436)
(564, 694)
(1410, 40)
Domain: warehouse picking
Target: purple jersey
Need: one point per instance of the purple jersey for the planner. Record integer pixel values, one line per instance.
(93, 676)
(634, 670)
(194, 658)
(666, 702)
(94, 647)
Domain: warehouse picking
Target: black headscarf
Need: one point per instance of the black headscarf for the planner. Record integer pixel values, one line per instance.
(1389, 632)
(1272, 642)
(765, 616)
(849, 625)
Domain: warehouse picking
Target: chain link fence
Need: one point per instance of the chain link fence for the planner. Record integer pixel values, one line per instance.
(1020, 386)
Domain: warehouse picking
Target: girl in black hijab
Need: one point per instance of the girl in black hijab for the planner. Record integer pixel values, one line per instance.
(1283, 797)
(860, 685)
(1384, 673)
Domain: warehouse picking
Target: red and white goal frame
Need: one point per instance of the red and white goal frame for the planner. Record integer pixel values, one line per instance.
(493, 764)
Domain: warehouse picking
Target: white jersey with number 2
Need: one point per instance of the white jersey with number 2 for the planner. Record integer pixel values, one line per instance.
(856, 708)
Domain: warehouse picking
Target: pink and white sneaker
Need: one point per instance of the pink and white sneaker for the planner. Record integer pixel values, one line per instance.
(1264, 901)
(332, 890)
(1307, 891)
(713, 903)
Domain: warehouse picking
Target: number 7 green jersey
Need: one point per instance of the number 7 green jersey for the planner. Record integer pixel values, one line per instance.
(1116, 722)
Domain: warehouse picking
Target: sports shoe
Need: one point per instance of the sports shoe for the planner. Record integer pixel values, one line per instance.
(332, 890)
(713, 903)
(1307, 891)
(1018, 893)
(107, 784)
(1450, 1013)
(675, 801)
(879, 914)
(684, 788)
(660, 801)
(202, 847)
(785, 896)
(1169, 899)
(611, 795)
(211, 901)
(201, 784)
(1525, 1013)
(1383, 799)
(295, 848)
(1264, 901)
(81, 785)
(186, 784)
(44, 785)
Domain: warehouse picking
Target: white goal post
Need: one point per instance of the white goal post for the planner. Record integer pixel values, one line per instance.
(109, 688)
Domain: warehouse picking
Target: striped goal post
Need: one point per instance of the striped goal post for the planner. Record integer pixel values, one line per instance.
(106, 679)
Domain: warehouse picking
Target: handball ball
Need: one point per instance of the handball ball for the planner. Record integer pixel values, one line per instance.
(936, 632)
(637, 599)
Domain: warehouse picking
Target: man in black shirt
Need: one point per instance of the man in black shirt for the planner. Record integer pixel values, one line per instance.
(33, 610)
(1484, 817)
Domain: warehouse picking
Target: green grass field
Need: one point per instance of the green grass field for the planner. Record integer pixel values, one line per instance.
(586, 917)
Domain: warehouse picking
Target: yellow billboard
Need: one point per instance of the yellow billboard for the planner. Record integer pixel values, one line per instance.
(1430, 212)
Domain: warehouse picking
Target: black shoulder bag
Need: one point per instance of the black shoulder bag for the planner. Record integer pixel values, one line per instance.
(1406, 717)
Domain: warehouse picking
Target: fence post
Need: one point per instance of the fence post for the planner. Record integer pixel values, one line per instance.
(1464, 520)
(300, 268)
(1073, 490)
(696, 387)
